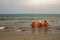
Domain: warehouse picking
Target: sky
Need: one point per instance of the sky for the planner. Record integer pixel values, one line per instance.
(29, 6)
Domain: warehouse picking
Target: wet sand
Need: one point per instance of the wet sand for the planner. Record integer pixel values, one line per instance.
(29, 37)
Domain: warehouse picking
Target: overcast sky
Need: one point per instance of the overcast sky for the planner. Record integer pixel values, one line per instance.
(29, 6)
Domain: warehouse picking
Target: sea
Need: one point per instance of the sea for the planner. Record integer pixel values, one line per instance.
(21, 23)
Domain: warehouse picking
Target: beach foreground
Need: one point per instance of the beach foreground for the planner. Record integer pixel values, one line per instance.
(29, 37)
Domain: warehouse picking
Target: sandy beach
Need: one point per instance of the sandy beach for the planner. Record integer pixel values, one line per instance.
(29, 37)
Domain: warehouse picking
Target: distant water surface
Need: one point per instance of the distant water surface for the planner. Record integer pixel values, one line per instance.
(23, 21)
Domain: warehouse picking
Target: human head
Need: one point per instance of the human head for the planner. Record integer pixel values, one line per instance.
(45, 21)
(39, 20)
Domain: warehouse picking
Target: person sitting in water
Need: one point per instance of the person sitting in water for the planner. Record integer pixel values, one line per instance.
(39, 24)
(33, 25)
(45, 23)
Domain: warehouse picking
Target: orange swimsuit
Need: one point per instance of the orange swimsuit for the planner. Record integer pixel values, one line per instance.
(45, 24)
(33, 24)
(40, 24)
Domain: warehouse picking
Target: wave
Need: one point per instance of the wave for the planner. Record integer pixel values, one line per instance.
(2, 28)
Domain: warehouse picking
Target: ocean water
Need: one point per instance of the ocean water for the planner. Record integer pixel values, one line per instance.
(17, 22)
(26, 15)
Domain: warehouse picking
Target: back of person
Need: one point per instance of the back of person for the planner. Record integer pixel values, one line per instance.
(39, 24)
(33, 24)
(45, 24)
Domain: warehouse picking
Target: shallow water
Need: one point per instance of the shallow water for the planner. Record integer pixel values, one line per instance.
(14, 26)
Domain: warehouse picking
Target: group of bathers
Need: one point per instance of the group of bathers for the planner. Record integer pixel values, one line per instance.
(39, 24)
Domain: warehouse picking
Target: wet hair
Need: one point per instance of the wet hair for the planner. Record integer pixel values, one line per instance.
(45, 21)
